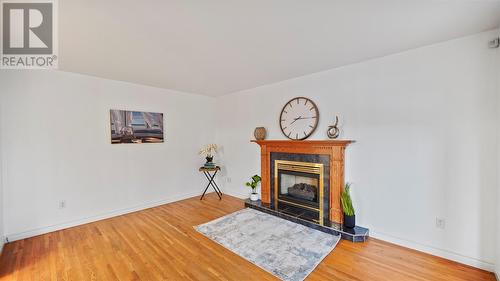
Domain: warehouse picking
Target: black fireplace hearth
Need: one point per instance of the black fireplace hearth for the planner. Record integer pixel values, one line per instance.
(301, 216)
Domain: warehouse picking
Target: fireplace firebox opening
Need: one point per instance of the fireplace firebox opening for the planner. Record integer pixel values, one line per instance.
(299, 189)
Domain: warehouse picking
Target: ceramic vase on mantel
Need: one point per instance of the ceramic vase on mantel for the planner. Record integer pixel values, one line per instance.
(260, 133)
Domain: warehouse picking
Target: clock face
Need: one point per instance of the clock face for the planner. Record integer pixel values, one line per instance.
(299, 118)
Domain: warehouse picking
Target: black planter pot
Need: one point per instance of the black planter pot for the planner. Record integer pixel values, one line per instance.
(350, 221)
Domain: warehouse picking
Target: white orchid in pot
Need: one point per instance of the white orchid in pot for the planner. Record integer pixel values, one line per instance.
(209, 152)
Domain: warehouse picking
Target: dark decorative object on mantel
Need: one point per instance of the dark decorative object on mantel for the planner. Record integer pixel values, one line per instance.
(260, 133)
(349, 216)
(333, 131)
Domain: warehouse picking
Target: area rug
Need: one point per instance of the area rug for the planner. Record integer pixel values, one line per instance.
(285, 249)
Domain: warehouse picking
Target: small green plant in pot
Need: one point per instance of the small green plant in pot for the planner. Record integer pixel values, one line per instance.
(253, 184)
(349, 215)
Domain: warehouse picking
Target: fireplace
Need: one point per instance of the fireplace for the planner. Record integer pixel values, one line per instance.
(299, 189)
(330, 153)
(302, 181)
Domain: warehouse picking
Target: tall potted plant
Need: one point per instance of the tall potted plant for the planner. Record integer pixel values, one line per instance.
(349, 215)
(253, 184)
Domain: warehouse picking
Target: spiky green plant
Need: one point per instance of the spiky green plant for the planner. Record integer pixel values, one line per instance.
(347, 201)
(255, 181)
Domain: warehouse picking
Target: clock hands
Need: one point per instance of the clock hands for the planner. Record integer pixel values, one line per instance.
(295, 119)
(299, 118)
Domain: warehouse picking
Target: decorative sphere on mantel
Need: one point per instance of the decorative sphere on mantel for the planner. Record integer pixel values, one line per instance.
(260, 133)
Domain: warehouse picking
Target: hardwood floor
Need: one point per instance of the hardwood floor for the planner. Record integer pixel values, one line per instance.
(161, 244)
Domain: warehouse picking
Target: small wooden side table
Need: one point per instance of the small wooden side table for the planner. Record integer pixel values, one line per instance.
(211, 180)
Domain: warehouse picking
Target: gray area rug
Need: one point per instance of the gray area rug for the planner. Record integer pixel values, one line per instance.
(285, 249)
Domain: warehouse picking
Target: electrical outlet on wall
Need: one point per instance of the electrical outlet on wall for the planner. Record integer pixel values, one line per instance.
(62, 204)
(440, 223)
(228, 180)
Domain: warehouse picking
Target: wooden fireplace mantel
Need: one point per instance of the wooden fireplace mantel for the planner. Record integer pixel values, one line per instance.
(335, 149)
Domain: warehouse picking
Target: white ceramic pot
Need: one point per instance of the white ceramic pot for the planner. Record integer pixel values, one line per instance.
(254, 196)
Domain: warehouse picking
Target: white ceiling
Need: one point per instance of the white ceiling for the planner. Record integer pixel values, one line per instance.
(216, 47)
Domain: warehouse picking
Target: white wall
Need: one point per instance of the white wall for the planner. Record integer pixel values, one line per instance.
(2, 239)
(498, 178)
(56, 146)
(424, 122)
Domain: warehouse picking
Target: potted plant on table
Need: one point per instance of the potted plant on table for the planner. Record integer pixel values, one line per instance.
(349, 216)
(253, 184)
(209, 151)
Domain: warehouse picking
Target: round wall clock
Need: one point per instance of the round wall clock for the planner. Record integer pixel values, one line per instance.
(299, 118)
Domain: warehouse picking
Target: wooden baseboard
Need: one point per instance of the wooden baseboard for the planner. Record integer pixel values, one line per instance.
(43, 230)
